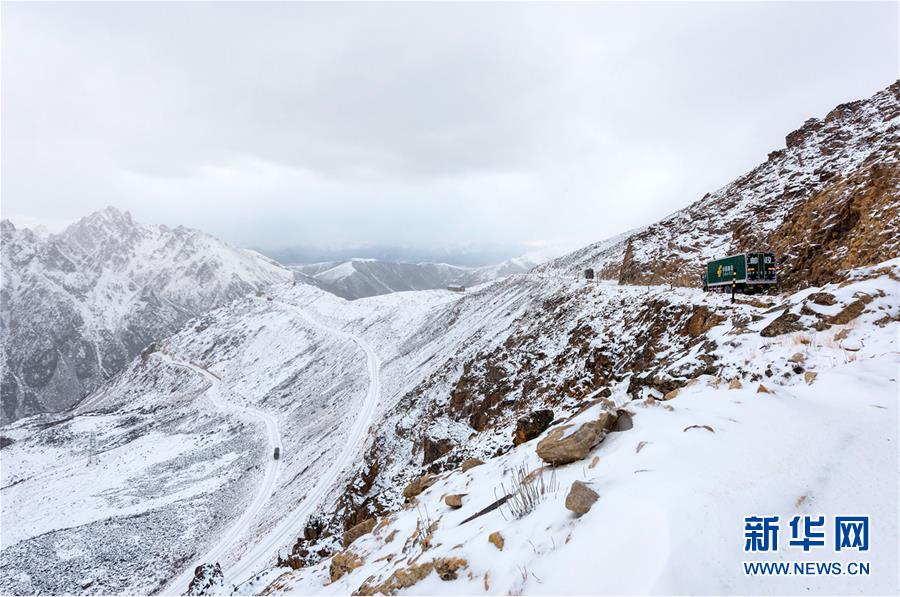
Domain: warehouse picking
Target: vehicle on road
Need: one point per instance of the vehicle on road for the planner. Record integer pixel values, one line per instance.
(747, 272)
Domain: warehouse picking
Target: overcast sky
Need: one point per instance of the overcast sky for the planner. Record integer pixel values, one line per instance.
(416, 124)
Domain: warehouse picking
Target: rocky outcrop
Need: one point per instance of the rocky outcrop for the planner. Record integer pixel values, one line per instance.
(827, 203)
(701, 321)
(532, 425)
(497, 540)
(357, 531)
(208, 580)
(580, 497)
(342, 563)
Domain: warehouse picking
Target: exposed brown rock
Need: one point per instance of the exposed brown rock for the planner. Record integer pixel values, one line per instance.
(447, 568)
(557, 449)
(735, 384)
(623, 421)
(848, 313)
(809, 376)
(357, 531)
(432, 449)
(822, 298)
(797, 357)
(532, 425)
(418, 485)
(398, 580)
(762, 390)
(785, 323)
(701, 321)
(470, 463)
(580, 498)
(342, 563)
(497, 539)
(454, 500)
(672, 394)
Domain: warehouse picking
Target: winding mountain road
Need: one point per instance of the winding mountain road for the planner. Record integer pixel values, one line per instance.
(285, 532)
(234, 532)
(262, 553)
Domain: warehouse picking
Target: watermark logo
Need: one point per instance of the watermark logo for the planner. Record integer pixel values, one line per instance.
(807, 533)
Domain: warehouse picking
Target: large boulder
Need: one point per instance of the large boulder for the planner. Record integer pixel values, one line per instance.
(357, 531)
(532, 425)
(418, 485)
(560, 447)
(580, 498)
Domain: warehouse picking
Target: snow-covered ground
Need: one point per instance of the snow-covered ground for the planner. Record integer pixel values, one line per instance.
(676, 488)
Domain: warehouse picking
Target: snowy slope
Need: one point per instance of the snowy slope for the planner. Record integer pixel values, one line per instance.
(673, 493)
(77, 306)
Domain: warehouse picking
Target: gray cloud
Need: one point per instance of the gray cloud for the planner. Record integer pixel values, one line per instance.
(297, 123)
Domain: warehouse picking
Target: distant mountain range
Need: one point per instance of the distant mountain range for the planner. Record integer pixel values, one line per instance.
(359, 278)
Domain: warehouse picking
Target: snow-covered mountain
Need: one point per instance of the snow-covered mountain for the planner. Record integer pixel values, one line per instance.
(825, 203)
(79, 305)
(360, 278)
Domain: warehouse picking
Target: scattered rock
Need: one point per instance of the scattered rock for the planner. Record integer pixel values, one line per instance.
(594, 461)
(848, 313)
(762, 390)
(447, 568)
(640, 446)
(785, 323)
(580, 498)
(822, 298)
(207, 577)
(454, 500)
(623, 421)
(558, 448)
(497, 539)
(797, 357)
(532, 425)
(470, 463)
(357, 531)
(809, 377)
(672, 394)
(707, 427)
(418, 485)
(398, 580)
(735, 384)
(342, 563)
